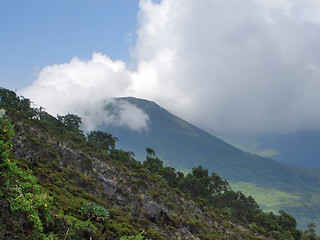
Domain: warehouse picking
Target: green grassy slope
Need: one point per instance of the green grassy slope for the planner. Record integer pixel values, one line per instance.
(304, 206)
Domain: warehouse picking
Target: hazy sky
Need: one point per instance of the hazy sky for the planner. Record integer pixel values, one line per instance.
(228, 66)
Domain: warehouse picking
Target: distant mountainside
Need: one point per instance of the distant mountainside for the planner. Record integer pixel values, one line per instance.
(183, 146)
(300, 149)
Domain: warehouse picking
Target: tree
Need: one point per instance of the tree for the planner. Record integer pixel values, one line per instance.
(104, 141)
(240, 205)
(71, 127)
(71, 121)
(9, 99)
(153, 163)
(169, 174)
(150, 152)
(289, 224)
(287, 221)
(310, 232)
(200, 184)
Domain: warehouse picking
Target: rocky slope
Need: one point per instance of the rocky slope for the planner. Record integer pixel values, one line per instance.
(143, 197)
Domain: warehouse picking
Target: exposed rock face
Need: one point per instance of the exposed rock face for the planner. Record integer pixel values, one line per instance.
(155, 211)
(137, 193)
(109, 187)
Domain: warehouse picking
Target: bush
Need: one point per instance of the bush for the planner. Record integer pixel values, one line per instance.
(20, 188)
(94, 211)
(137, 237)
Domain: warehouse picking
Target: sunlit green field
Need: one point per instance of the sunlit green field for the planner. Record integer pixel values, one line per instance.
(302, 206)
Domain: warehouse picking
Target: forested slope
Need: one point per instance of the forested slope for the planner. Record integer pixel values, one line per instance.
(57, 183)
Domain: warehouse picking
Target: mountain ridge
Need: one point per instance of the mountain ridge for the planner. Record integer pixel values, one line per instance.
(167, 130)
(183, 146)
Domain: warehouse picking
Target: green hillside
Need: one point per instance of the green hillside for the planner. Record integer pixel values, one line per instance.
(183, 146)
(56, 183)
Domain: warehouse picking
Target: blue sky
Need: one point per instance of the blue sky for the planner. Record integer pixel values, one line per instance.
(36, 33)
(230, 67)
(233, 68)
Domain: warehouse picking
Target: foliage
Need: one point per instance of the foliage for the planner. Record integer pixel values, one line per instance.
(94, 211)
(153, 164)
(11, 101)
(104, 141)
(125, 157)
(137, 237)
(20, 187)
(310, 232)
(153, 234)
(75, 192)
(240, 206)
(200, 184)
(151, 153)
(211, 190)
(71, 121)
(78, 229)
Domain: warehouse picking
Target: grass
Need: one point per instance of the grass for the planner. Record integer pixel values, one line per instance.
(299, 204)
(270, 199)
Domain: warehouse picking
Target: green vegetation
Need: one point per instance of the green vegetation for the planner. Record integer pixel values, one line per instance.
(57, 184)
(25, 197)
(184, 146)
(211, 190)
(94, 211)
(104, 141)
(310, 232)
(273, 199)
(137, 237)
(268, 198)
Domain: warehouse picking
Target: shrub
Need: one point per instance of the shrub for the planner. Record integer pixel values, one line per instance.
(137, 237)
(20, 188)
(94, 211)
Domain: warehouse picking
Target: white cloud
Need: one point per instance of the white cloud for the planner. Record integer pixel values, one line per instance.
(231, 69)
(85, 87)
(126, 114)
(227, 66)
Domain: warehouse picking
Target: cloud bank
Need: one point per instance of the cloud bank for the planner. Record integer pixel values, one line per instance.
(86, 88)
(230, 67)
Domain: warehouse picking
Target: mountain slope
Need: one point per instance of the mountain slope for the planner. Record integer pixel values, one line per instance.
(184, 146)
(301, 148)
(56, 184)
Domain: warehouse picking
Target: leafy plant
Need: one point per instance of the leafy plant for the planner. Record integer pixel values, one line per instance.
(94, 211)
(137, 237)
(20, 187)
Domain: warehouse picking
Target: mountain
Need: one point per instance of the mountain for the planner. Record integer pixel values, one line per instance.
(300, 148)
(57, 184)
(185, 146)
